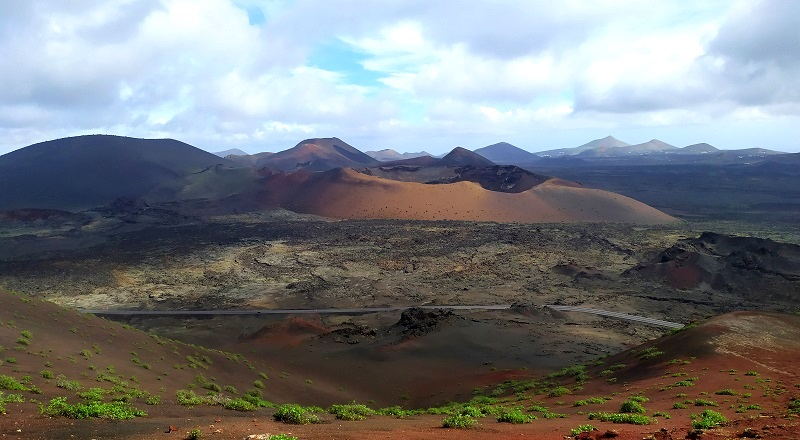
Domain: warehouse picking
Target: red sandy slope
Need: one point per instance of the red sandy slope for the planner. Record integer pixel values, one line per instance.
(344, 193)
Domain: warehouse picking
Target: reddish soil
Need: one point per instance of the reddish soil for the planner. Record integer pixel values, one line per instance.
(753, 354)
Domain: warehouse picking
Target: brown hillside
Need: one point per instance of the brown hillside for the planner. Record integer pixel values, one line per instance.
(344, 193)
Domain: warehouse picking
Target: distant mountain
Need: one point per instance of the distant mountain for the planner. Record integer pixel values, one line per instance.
(87, 171)
(505, 153)
(232, 151)
(603, 144)
(462, 157)
(702, 148)
(649, 147)
(388, 154)
(248, 160)
(317, 155)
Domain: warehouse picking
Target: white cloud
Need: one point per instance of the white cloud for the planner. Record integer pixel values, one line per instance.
(200, 71)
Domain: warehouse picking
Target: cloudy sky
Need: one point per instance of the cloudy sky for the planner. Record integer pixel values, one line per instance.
(405, 74)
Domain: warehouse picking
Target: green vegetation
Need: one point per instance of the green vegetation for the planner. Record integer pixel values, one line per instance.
(661, 414)
(678, 405)
(239, 404)
(752, 406)
(194, 434)
(592, 401)
(704, 402)
(351, 412)
(111, 410)
(188, 398)
(9, 398)
(458, 421)
(794, 406)
(707, 419)
(11, 384)
(515, 416)
(295, 415)
(559, 391)
(751, 373)
(632, 407)
(69, 385)
(47, 374)
(282, 437)
(634, 419)
(725, 392)
(649, 353)
(581, 429)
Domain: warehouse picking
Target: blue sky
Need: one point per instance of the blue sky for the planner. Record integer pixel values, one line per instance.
(262, 75)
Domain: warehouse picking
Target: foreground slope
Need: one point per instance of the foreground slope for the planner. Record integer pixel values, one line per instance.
(741, 366)
(345, 193)
(86, 171)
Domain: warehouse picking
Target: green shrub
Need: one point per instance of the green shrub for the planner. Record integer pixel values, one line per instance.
(282, 437)
(640, 399)
(194, 434)
(581, 429)
(707, 419)
(751, 373)
(458, 421)
(47, 374)
(188, 398)
(794, 406)
(650, 353)
(153, 400)
(26, 334)
(704, 402)
(239, 404)
(111, 410)
(69, 385)
(515, 416)
(661, 414)
(11, 384)
(725, 392)
(678, 405)
(559, 391)
(591, 401)
(258, 384)
(92, 394)
(351, 411)
(634, 419)
(294, 414)
(632, 407)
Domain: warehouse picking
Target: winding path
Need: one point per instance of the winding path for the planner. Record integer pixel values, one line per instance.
(351, 311)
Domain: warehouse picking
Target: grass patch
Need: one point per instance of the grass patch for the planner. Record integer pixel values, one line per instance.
(111, 410)
(633, 419)
(707, 419)
(351, 412)
(459, 421)
(578, 430)
(516, 417)
(295, 415)
(11, 384)
(591, 401)
(632, 407)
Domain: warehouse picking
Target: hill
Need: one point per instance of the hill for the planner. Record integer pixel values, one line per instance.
(462, 157)
(649, 147)
(85, 171)
(602, 144)
(232, 151)
(387, 155)
(317, 155)
(505, 153)
(345, 193)
(701, 148)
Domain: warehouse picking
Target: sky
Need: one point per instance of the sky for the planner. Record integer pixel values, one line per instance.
(412, 75)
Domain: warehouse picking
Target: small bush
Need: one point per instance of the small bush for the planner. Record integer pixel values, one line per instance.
(188, 398)
(194, 434)
(69, 385)
(351, 412)
(458, 421)
(751, 373)
(634, 419)
(112, 410)
(47, 374)
(707, 419)
(239, 405)
(678, 405)
(704, 402)
(581, 429)
(559, 391)
(650, 353)
(11, 384)
(295, 415)
(661, 414)
(725, 392)
(282, 437)
(515, 416)
(258, 384)
(592, 401)
(153, 400)
(632, 407)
